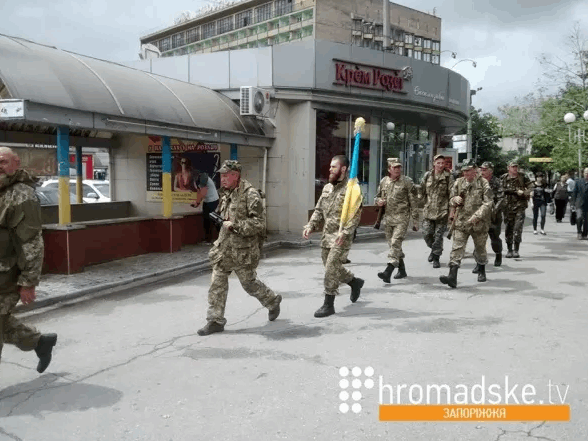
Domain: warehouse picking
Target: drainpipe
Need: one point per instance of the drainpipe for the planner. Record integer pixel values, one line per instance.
(263, 183)
(386, 14)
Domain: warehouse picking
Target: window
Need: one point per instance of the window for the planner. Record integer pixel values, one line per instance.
(177, 40)
(427, 44)
(244, 19)
(209, 30)
(427, 58)
(283, 7)
(436, 45)
(378, 45)
(164, 44)
(357, 40)
(379, 30)
(408, 38)
(408, 52)
(193, 35)
(418, 55)
(368, 28)
(264, 12)
(356, 24)
(225, 25)
(418, 41)
(435, 59)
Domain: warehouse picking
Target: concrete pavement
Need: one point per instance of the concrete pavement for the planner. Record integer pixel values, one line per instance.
(130, 366)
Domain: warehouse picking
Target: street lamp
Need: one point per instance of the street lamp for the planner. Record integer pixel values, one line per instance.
(469, 140)
(570, 118)
(465, 59)
(453, 54)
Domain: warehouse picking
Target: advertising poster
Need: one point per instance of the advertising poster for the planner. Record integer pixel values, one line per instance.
(40, 162)
(87, 166)
(189, 159)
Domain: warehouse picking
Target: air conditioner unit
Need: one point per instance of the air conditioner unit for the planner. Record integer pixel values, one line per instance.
(254, 101)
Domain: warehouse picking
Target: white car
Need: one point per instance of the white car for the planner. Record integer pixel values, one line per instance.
(92, 191)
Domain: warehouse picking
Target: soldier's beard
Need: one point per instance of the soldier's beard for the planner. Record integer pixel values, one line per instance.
(334, 178)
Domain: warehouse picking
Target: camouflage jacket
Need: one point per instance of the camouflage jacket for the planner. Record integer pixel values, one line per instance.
(327, 216)
(512, 201)
(498, 196)
(21, 234)
(244, 208)
(477, 197)
(435, 190)
(401, 203)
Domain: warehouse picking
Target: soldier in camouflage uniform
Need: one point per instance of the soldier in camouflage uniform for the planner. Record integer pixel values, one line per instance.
(334, 245)
(517, 190)
(472, 197)
(487, 170)
(435, 189)
(21, 257)
(237, 248)
(396, 194)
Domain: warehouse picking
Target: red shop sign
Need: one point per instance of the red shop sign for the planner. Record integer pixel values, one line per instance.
(368, 77)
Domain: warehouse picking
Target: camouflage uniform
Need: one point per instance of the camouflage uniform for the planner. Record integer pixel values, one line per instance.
(21, 254)
(496, 217)
(238, 250)
(435, 190)
(400, 205)
(515, 206)
(327, 215)
(477, 197)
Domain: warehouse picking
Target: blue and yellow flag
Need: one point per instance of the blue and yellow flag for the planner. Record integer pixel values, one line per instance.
(353, 197)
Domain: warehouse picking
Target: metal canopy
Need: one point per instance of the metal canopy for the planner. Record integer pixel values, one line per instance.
(87, 94)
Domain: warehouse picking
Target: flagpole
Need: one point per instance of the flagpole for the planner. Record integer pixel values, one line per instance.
(353, 192)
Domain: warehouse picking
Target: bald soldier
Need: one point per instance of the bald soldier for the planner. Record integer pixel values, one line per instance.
(21, 257)
(396, 194)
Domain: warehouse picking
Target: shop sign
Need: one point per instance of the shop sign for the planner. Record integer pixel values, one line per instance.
(540, 159)
(369, 77)
(435, 96)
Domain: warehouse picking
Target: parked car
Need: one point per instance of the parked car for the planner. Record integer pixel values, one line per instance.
(50, 196)
(92, 191)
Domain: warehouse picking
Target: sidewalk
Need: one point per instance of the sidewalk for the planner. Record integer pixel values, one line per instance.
(153, 267)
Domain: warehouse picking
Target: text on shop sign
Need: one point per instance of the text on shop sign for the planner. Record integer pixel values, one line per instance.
(368, 77)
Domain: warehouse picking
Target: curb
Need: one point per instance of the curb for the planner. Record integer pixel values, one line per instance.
(195, 268)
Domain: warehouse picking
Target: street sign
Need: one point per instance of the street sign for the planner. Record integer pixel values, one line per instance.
(11, 109)
(540, 159)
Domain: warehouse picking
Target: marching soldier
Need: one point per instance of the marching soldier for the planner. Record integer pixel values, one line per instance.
(396, 194)
(237, 248)
(471, 197)
(334, 245)
(487, 171)
(435, 190)
(517, 190)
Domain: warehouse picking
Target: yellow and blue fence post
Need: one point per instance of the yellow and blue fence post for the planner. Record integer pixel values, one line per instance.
(79, 175)
(166, 165)
(63, 164)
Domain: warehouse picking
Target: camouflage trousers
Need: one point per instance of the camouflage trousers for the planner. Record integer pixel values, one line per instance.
(460, 240)
(513, 226)
(335, 272)
(433, 230)
(219, 288)
(395, 235)
(13, 331)
(494, 234)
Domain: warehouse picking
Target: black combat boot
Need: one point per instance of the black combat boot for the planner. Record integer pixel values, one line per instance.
(274, 311)
(476, 268)
(451, 278)
(515, 253)
(328, 307)
(385, 275)
(355, 285)
(431, 257)
(509, 255)
(44, 351)
(482, 273)
(211, 328)
(498, 259)
(401, 273)
(436, 263)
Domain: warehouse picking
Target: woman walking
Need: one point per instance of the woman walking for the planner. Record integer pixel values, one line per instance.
(540, 200)
(560, 196)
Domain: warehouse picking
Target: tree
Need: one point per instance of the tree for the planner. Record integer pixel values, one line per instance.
(523, 119)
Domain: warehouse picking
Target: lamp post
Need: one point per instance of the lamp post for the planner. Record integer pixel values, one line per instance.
(469, 141)
(465, 59)
(453, 54)
(570, 118)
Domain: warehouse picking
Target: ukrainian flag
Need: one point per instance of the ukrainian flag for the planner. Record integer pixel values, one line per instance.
(353, 197)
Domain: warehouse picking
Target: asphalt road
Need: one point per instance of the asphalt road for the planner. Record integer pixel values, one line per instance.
(131, 366)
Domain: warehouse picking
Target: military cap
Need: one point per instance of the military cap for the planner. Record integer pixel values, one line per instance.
(394, 162)
(513, 164)
(438, 156)
(468, 163)
(487, 164)
(230, 165)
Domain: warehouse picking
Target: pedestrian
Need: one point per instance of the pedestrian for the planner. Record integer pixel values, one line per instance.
(495, 226)
(580, 198)
(207, 195)
(571, 184)
(435, 190)
(237, 248)
(560, 196)
(335, 241)
(517, 190)
(21, 257)
(541, 197)
(396, 194)
(472, 198)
